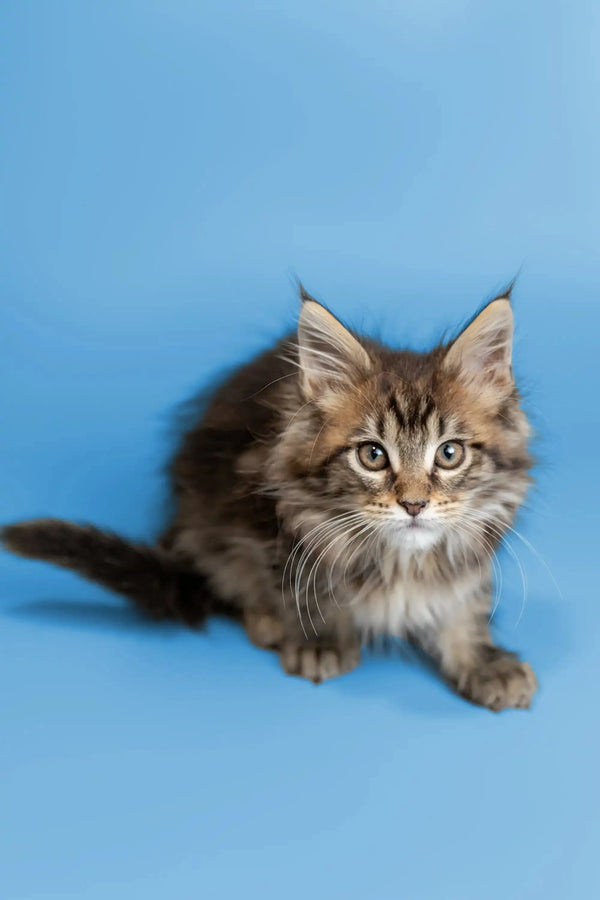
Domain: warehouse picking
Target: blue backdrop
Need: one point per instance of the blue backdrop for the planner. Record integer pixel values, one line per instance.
(166, 168)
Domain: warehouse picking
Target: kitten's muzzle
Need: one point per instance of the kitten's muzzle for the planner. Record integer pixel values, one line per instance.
(413, 507)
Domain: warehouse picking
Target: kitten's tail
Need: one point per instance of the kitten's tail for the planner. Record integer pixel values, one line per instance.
(157, 582)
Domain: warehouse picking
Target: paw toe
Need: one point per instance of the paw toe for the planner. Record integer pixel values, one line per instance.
(316, 663)
(504, 683)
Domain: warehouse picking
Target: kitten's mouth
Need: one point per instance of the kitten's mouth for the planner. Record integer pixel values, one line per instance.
(417, 534)
(416, 523)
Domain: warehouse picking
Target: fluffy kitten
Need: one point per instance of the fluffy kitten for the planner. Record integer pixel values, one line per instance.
(333, 490)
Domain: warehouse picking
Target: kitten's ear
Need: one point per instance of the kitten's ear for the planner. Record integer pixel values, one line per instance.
(328, 353)
(482, 352)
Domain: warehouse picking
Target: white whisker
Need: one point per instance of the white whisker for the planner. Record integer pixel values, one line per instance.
(496, 530)
(345, 534)
(313, 536)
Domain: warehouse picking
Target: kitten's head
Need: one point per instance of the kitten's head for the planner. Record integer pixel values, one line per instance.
(425, 447)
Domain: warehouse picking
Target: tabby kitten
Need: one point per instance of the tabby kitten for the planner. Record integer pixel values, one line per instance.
(335, 490)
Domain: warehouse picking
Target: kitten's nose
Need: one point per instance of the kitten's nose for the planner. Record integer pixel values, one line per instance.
(413, 507)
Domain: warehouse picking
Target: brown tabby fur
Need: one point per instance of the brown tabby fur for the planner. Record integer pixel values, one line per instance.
(277, 520)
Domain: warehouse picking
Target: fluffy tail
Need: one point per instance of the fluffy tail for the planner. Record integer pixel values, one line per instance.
(157, 582)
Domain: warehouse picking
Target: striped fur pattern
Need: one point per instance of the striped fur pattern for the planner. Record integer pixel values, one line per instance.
(337, 490)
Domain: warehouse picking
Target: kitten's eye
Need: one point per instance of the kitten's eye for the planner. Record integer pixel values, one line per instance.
(450, 455)
(373, 457)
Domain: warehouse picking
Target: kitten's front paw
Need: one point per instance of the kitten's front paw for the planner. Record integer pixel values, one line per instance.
(500, 683)
(318, 662)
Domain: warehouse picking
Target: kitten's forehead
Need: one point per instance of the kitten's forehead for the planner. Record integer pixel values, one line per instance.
(410, 414)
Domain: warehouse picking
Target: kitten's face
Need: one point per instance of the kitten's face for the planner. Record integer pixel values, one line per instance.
(417, 448)
(425, 460)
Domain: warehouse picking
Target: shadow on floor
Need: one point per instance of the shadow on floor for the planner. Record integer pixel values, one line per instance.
(390, 668)
(85, 614)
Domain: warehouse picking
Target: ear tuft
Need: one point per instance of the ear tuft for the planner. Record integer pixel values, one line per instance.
(328, 352)
(506, 294)
(303, 293)
(482, 353)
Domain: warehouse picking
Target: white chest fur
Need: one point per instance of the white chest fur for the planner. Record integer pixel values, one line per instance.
(404, 603)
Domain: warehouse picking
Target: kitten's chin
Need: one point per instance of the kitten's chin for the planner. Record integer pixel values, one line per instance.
(416, 538)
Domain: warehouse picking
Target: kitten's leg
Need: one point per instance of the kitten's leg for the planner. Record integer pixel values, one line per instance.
(499, 681)
(319, 661)
(242, 573)
(481, 672)
(334, 651)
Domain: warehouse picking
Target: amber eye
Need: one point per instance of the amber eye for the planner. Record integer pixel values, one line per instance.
(449, 455)
(373, 457)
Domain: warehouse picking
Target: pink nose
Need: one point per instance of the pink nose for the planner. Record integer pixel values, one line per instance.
(413, 507)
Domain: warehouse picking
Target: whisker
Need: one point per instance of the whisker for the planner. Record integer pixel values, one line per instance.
(264, 388)
(473, 517)
(315, 566)
(319, 432)
(313, 536)
(321, 531)
(290, 559)
(369, 529)
(378, 530)
(468, 528)
(541, 559)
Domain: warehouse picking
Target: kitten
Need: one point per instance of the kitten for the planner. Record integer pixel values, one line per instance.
(335, 490)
